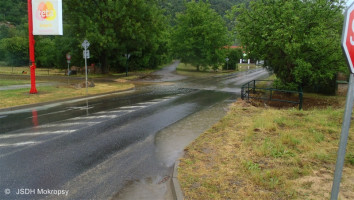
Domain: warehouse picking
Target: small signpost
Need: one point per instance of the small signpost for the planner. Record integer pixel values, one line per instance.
(127, 56)
(227, 63)
(348, 48)
(68, 58)
(86, 55)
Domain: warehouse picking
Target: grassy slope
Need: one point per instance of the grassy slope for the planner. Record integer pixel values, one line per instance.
(266, 153)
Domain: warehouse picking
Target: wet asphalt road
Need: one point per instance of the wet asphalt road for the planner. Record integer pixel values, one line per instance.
(109, 146)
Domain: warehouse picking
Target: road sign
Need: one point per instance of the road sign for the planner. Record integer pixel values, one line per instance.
(85, 44)
(86, 53)
(348, 37)
(348, 48)
(68, 56)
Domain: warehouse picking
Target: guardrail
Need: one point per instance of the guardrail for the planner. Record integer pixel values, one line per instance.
(249, 91)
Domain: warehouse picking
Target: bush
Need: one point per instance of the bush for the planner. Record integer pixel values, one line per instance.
(15, 50)
(234, 56)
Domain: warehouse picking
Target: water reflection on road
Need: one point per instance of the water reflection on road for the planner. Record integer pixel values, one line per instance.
(169, 145)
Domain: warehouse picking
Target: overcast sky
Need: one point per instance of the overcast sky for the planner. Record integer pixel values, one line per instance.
(349, 2)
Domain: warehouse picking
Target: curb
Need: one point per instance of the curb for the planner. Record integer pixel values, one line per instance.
(176, 187)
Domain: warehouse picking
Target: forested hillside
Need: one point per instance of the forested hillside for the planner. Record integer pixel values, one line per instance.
(177, 6)
(14, 11)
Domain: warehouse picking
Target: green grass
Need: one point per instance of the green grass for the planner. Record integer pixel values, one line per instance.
(190, 70)
(39, 71)
(245, 66)
(61, 72)
(11, 98)
(266, 153)
(7, 82)
(266, 84)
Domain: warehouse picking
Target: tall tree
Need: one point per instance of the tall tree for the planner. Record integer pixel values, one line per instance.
(13, 11)
(299, 39)
(118, 27)
(199, 35)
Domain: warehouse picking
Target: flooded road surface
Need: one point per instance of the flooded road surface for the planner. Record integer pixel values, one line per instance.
(120, 146)
(169, 145)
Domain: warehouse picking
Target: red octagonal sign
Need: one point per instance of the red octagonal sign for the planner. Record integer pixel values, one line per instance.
(348, 37)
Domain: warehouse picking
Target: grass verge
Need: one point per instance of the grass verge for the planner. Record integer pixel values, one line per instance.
(245, 66)
(25, 70)
(7, 82)
(190, 70)
(11, 98)
(267, 153)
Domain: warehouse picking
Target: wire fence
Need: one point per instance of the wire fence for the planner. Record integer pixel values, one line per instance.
(250, 90)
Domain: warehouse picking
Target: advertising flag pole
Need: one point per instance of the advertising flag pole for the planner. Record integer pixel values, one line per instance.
(31, 48)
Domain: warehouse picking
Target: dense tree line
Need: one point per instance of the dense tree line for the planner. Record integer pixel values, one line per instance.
(114, 28)
(143, 29)
(13, 11)
(298, 39)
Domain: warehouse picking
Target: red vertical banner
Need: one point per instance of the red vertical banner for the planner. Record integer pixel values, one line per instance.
(31, 48)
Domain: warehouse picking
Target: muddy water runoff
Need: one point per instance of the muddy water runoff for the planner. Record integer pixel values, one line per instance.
(169, 144)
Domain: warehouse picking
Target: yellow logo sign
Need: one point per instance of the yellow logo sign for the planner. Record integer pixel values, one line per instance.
(46, 11)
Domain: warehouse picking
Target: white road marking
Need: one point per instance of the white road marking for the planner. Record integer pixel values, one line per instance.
(14, 135)
(149, 103)
(19, 144)
(130, 107)
(97, 117)
(68, 124)
(105, 115)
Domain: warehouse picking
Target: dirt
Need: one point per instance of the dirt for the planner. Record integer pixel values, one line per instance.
(319, 184)
(309, 102)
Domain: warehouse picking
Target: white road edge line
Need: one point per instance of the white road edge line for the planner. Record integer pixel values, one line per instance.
(14, 135)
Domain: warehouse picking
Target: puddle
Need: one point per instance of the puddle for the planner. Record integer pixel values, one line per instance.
(169, 145)
(157, 188)
(171, 141)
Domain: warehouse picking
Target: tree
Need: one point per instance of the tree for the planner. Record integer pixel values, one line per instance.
(199, 36)
(118, 27)
(16, 50)
(14, 11)
(299, 39)
(45, 52)
(234, 56)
